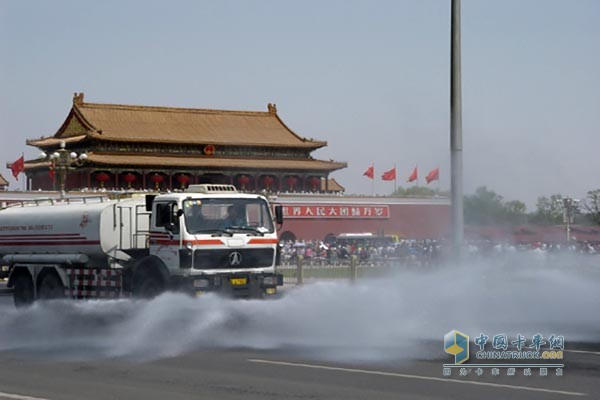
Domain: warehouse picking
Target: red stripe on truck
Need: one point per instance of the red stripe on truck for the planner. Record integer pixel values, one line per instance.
(204, 242)
(40, 235)
(18, 240)
(53, 243)
(263, 241)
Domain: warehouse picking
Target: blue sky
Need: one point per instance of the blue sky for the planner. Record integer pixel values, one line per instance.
(371, 78)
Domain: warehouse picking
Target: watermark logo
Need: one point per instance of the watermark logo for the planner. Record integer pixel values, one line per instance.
(535, 355)
(457, 344)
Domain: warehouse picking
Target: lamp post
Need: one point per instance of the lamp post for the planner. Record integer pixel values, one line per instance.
(62, 162)
(569, 208)
(456, 143)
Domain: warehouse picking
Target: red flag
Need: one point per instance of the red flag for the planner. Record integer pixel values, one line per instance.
(413, 177)
(434, 175)
(370, 173)
(389, 175)
(17, 167)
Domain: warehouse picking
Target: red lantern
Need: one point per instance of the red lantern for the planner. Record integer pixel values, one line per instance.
(268, 181)
(209, 149)
(314, 181)
(102, 177)
(129, 178)
(243, 180)
(157, 179)
(183, 180)
(291, 181)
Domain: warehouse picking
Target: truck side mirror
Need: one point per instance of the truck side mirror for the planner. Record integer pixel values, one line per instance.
(172, 227)
(149, 200)
(179, 213)
(279, 214)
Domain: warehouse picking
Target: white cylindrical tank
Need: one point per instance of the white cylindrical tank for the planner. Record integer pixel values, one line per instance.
(93, 228)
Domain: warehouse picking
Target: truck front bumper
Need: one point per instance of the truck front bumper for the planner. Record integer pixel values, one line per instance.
(234, 285)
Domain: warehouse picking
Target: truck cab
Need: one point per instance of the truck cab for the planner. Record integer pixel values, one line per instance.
(212, 238)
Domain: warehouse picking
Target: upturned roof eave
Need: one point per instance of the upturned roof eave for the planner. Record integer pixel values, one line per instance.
(51, 141)
(318, 144)
(75, 113)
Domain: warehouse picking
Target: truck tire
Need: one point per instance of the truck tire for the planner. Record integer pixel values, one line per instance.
(23, 290)
(147, 284)
(51, 287)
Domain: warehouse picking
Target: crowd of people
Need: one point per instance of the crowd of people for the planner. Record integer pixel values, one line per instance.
(421, 252)
(319, 252)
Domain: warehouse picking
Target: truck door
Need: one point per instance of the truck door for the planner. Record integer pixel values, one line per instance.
(166, 231)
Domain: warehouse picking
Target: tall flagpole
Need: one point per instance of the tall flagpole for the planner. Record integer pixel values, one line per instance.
(373, 180)
(417, 181)
(23, 172)
(456, 146)
(395, 178)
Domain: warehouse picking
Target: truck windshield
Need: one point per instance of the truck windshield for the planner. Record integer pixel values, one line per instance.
(228, 216)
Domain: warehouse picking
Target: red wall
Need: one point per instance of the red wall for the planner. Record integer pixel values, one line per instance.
(42, 180)
(410, 221)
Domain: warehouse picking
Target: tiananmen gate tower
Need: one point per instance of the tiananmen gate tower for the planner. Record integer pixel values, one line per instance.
(142, 147)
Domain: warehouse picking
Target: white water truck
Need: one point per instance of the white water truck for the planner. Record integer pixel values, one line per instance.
(208, 238)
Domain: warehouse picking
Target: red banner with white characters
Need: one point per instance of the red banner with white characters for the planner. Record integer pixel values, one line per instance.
(335, 211)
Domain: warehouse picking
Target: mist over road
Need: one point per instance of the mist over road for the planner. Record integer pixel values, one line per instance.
(322, 340)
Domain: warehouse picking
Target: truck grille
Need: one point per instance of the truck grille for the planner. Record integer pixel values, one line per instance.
(233, 258)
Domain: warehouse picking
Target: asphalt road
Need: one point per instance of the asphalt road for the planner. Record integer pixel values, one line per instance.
(242, 374)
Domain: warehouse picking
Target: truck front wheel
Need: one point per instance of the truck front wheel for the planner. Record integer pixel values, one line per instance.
(51, 287)
(147, 285)
(23, 290)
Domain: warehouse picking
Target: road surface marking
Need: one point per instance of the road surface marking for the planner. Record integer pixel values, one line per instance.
(596, 353)
(19, 397)
(408, 376)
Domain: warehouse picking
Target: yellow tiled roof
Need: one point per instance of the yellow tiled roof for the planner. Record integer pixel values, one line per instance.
(144, 124)
(332, 185)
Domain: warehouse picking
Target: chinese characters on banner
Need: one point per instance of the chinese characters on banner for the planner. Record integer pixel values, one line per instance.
(336, 211)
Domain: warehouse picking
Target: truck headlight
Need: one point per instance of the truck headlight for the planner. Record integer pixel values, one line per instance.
(201, 283)
(269, 280)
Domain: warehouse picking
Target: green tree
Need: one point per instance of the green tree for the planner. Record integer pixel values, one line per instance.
(516, 212)
(592, 206)
(483, 208)
(548, 210)
(486, 207)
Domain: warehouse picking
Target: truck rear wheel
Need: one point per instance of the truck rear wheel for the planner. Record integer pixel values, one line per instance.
(23, 290)
(51, 287)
